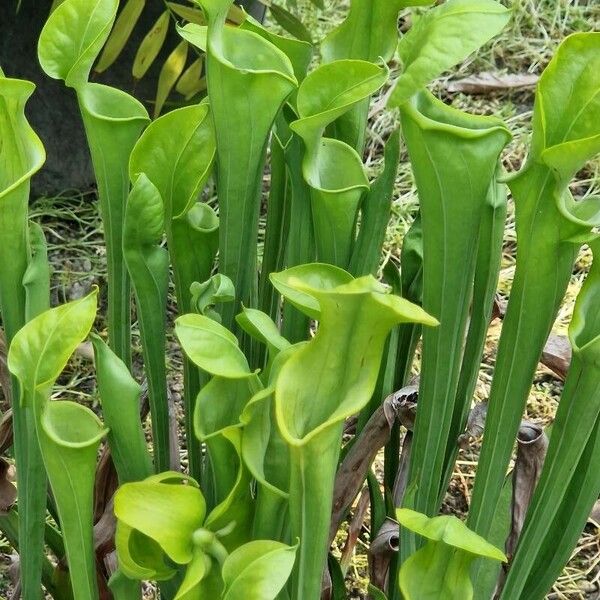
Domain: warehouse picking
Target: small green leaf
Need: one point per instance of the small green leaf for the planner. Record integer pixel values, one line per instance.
(41, 349)
(216, 290)
(196, 571)
(288, 21)
(262, 328)
(192, 15)
(167, 509)
(211, 346)
(257, 570)
(442, 38)
(441, 568)
(191, 82)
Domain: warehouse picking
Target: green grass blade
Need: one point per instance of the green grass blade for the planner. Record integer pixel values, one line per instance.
(277, 229)
(375, 213)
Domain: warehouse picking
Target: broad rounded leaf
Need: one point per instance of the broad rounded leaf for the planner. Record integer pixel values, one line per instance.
(442, 38)
(262, 328)
(211, 346)
(450, 530)
(144, 215)
(332, 89)
(41, 349)
(179, 143)
(318, 275)
(257, 570)
(73, 36)
(167, 512)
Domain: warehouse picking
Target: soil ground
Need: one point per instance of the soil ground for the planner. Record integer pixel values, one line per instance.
(74, 233)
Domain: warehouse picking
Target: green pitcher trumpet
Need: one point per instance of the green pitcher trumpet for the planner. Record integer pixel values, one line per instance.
(311, 402)
(551, 227)
(69, 434)
(244, 71)
(176, 154)
(21, 156)
(113, 121)
(456, 148)
(120, 397)
(148, 266)
(332, 169)
(574, 433)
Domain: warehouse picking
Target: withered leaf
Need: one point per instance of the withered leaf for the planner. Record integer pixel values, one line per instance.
(486, 82)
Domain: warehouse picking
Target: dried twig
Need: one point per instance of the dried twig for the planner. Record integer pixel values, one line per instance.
(353, 470)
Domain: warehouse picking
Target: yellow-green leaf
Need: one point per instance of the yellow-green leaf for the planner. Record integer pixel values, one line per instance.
(150, 46)
(192, 15)
(169, 74)
(236, 15)
(124, 25)
(191, 82)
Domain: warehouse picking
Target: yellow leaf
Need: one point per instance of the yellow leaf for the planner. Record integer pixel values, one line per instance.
(169, 74)
(192, 15)
(190, 83)
(150, 46)
(124, 25)
(236, 15)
